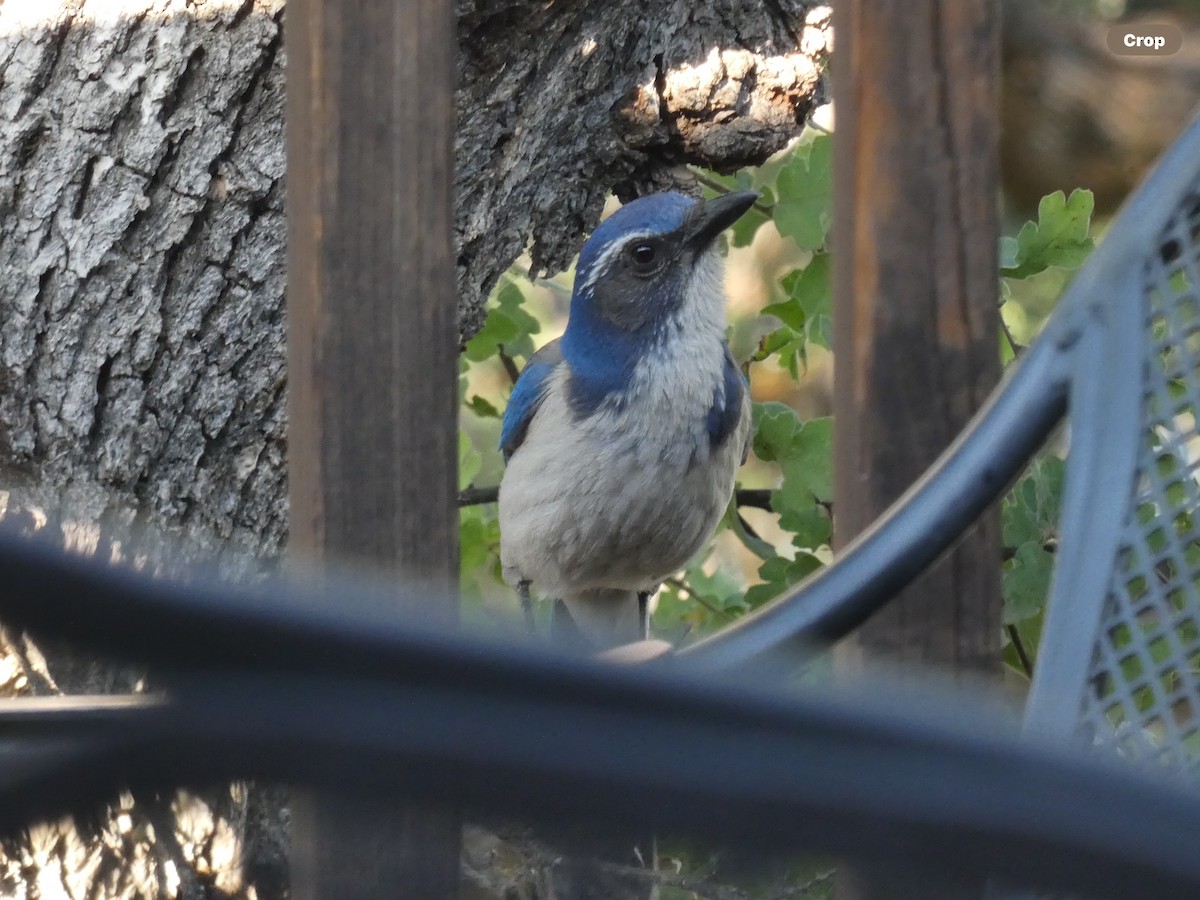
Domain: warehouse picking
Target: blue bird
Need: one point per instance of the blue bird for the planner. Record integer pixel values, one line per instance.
(623, 436)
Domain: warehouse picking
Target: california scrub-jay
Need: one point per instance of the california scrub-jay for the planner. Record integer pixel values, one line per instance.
(622, 437)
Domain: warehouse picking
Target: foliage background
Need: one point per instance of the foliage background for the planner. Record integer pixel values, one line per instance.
(779, 282)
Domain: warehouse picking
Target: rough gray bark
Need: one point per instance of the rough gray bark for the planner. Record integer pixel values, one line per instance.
(141, 273)
(560, 103)
(141, 358)
(141, 227)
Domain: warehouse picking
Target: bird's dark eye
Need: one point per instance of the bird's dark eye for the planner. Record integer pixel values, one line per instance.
(645, 257)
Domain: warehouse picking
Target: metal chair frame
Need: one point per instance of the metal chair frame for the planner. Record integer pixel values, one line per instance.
(1092, 362)
(268, 682)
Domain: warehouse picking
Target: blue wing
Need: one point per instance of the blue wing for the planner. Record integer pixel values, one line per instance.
(726, 410)
(527, 397)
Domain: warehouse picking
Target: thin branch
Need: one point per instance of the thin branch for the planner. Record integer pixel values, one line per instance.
(685, 589)
(765, 211)
(748, 528)
(754, 498)
(477, 496)
(1016, 348)
(1019, 646)
(760, 498)
(510, 365)
(812, 123)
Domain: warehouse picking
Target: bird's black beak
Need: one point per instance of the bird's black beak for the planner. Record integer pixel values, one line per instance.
(707, 219)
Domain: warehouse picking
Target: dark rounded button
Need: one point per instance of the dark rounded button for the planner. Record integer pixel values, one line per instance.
(1145, 39)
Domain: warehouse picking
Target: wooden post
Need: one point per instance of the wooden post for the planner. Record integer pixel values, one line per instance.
(915, 282)
(372, 342)
(915, 285)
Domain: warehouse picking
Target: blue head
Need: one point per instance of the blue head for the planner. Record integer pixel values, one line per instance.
(637, 273)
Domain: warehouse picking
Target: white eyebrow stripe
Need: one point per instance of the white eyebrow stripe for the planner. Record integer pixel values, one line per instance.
(601, 263)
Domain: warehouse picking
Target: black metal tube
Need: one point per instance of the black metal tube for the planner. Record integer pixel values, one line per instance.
(919, 527)
(928, 784)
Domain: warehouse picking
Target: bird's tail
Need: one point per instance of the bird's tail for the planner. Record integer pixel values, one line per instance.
(599, 619)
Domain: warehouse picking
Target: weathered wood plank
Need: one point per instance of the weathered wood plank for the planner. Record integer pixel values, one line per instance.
(372, 366)
(915, 326)
(916, 291)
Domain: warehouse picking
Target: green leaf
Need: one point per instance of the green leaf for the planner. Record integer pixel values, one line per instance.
(809, 525)
(507, 325)
(1030, 512)
(483, 408)
(1052, 476)
(756, 545)
(699, 603)
(469, 460)
(1059, 237)
(742, 232)
(804, 312)
(1020, 524)
(775, 427)
(1026, 582)
(790, 346)
(473, 542)
(778, 574)
(813, 293)
(1030, 516)
(809, 463)
(789, 312)
(720, 589)
(804, 187)
(804, 453)
(810, 288)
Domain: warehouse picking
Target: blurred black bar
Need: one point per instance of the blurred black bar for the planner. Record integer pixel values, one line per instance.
(555, 739)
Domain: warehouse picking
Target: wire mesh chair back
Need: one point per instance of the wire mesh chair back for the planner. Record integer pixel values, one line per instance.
(1119, 654)
(1120, 661)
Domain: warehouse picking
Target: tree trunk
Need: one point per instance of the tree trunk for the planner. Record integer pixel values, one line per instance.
(142, 377)
(141, 175)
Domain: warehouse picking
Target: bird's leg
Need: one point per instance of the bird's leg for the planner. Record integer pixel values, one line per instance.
(644, 613)
(526, 603)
